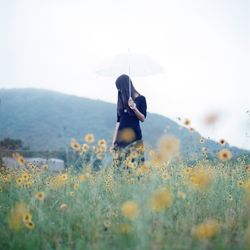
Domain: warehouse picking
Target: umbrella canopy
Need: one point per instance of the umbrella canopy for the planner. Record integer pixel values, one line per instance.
(132, 64)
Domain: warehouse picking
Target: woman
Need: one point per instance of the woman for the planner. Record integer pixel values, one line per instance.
(127, 140)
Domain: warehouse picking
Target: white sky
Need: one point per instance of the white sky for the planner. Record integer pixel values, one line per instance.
(203, 46)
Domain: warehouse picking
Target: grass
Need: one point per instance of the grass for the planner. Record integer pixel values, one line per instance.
(84, 209)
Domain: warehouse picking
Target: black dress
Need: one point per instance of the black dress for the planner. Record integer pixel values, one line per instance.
(130, 123)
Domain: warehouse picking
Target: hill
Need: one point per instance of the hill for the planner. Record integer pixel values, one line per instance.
(47, 120)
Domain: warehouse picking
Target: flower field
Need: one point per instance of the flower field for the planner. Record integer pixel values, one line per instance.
(164, 203)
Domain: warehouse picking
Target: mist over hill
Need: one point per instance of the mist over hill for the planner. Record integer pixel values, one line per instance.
(47, 120)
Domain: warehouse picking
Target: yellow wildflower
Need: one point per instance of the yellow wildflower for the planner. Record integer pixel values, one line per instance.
(200, 177)
(89, 138)
(225, 155)
(27, 217)
(15, 218)
(29, 224)
(130, 209)
(206, 230)
(85, 148)
(40, 196)
(161, 199)
(82, 178)
(75, 145)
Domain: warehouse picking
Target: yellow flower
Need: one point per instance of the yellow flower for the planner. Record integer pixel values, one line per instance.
(76, 186)
(19, 181)
(19, 158)
(200, 177)
(29, 183)
(247, 186)
(40, 196)
(186, 122)
(82, 178)
(103, 148)
(7, 178)
(45, 167)
(15, 218)
(75, 145)
(29, 224)
(134, 154)
(72, 193)
(225, 155)
(27, 217)
(85, 148)
(101, 142)
(89, 138)
(168, 148)
(143, 169)
(240, 183)
(126, 135)
(26, 176)
(64, 177)
(131, 165)
(206, 230)
(161, 199)
(130, 209)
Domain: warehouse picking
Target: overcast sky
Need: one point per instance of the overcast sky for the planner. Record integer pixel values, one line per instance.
(203, 46)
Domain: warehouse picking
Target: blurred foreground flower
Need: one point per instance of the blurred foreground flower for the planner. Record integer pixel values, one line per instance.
(130, 209)
(211, 118)
(17, 215)
(200, 177)
(19, 158)
(168, 149)
(160, 199)
(206, 230)
(126, 135)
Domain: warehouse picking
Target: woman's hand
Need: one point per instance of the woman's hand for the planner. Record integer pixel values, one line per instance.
(131, 103)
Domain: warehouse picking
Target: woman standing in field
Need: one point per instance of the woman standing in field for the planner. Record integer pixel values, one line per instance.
(127, 140)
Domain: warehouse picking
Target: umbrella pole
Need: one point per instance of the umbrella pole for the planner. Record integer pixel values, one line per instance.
(129, 74)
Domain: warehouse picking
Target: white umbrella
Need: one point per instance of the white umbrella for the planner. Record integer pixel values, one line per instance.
(132, 64)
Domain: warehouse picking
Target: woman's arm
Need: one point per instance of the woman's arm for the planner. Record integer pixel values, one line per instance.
(132, 105)
(115, 133)
(139, 115)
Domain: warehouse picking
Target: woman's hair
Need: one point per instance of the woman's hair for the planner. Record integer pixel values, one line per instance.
(122, 84)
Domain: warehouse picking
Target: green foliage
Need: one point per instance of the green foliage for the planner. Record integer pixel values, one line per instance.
(86, 213)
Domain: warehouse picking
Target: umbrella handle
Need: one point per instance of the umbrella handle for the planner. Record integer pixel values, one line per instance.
(129, 88)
